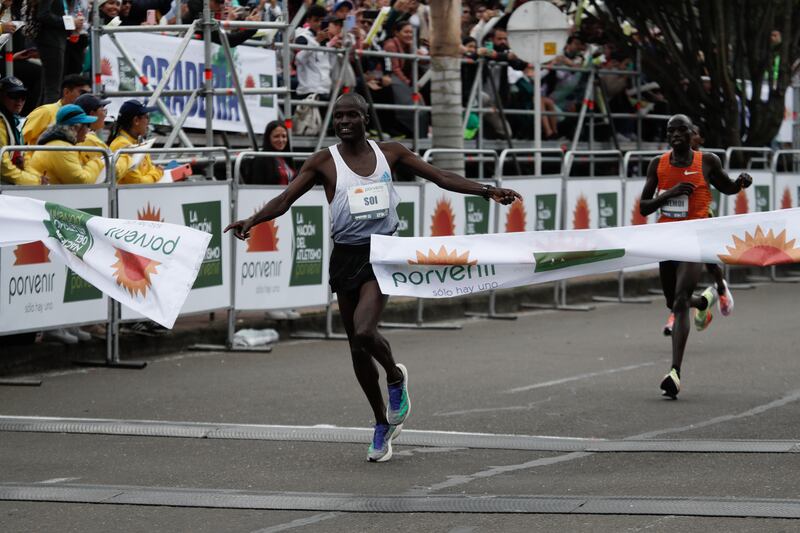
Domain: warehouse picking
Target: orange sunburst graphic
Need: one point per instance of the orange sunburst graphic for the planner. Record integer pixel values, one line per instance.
(443, 219)
(442, 257)
(150, 213)
(249, 82)
(31, 253)
(761, 249)
(637, 218)
(515, 219)
(580, 216)
(742, 206)
(133, 272)
(105, 67)
(263, 238)
(786, 199)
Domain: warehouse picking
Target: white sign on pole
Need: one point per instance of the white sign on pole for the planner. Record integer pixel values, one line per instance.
(152, 54)
(203, 207)
(284, 263)
(37, 292)
(537, 31)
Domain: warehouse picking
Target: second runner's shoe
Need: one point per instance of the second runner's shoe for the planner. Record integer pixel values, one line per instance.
(703, 318)
(668, 326)
(381, 448)
(399, 403)
(725, 302)
(671, 384)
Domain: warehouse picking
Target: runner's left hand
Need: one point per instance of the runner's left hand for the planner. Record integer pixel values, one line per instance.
(504, 196)
(744, 180)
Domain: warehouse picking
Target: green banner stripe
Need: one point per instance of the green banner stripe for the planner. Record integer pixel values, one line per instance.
(547, 261)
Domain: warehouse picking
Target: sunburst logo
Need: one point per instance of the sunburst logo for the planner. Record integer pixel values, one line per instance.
(249, 82)
(443, 219)
(31, 253)
(742, 206)
(515, 219)
(786, 199)
(442, 257)
(149, 213)
(580, 216)
(105, 67)
(637, 218)
(263, 238)
(761, 249)
(133, 272)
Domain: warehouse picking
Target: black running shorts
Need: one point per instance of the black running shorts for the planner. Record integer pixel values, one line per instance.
(350, 267)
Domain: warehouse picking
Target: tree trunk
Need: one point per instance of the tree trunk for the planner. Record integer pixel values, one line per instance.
(446, 82)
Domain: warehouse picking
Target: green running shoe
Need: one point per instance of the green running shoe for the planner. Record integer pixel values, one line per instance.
(381, 448)
(399, 403)
(703, 318)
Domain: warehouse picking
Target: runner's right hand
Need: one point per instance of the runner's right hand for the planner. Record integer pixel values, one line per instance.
(683, 188)
(241, 228)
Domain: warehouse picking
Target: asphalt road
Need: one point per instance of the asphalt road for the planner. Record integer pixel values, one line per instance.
(589, 379)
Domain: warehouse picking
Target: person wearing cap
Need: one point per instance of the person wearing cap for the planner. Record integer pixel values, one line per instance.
(342, 9)
(44, 116)
(93, 106)
(130, 129)
(71, 127)
(12, 100)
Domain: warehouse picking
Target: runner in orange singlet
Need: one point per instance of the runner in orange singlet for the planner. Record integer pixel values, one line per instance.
(682, 177)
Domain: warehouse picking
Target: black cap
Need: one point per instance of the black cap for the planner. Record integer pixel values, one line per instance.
(12, 85)
(90, 102)
(134, 108)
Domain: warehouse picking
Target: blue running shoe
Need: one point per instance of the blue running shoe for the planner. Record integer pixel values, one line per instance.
(399, 402)
(381, 448)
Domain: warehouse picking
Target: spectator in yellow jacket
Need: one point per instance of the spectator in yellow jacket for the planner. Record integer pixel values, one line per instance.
(70, 129)
(12, 100)
(130, 129)
(44, 116)
(94, 107)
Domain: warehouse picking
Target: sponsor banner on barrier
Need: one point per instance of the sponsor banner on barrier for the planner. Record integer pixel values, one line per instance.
(593, 203)
(755, 199)
(441, 267)
(256, 68)
(39, 291)
(146, 265)
(202, 207)
(451, 213)
(408, 210)
(284, 263)
(540, 208)
(787, 191)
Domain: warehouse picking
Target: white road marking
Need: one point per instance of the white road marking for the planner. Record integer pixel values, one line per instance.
(578, 377)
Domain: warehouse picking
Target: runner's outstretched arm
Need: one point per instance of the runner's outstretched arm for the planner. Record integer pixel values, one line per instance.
(448, 180)
(648, 204)
(720, 179)
(301, 184)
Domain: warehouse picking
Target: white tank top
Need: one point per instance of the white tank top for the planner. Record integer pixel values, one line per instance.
(349, 228)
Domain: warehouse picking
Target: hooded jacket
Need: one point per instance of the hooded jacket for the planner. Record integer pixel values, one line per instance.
(12, 169)
(64, 167)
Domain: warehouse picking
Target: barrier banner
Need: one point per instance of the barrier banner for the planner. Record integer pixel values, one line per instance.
(452, 213)
(787, 191)
(284, 263)
(540, 208)
(148, 266)
(199, 206)
(408, 209)
(593, 203)
(255, 67)
(755, 199)
(440, 267)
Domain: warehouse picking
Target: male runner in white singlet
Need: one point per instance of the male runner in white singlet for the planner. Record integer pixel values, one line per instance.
(357, 177)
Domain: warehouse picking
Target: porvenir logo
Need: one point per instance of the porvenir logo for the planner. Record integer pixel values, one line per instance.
(133, 272)
(31, 253)
(150, 213)
(443, 219)
(786, 199)
(742, 206)
(454, 267)
(637, 219)
(761, 249)
(580, 215)
(263, 237)
(442, 257)
(515, 218)
(105, 67)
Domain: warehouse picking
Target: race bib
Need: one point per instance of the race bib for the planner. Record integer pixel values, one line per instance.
(69, 22)
(368, 202)
(677, 207)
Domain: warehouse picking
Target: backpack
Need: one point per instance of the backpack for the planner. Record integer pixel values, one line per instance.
(307, 118)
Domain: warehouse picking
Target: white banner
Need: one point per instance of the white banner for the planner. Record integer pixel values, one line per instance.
(152, 54)
(284, 263)
(146, 265)
(198, 206)
(440, 267)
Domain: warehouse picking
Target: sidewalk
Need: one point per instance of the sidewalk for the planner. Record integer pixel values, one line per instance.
(211, 328)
